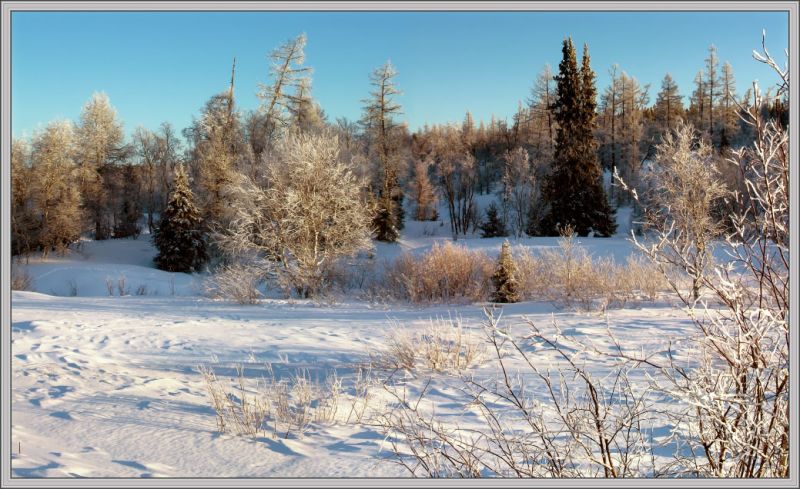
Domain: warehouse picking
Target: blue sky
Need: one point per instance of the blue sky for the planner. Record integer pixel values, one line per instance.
(160, 66)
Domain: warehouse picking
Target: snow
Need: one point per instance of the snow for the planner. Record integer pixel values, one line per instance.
(107, 386)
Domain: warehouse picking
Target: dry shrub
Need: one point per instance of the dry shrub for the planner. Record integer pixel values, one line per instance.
(446, 273)
(443, 346)
(235, 282)
(569, 277)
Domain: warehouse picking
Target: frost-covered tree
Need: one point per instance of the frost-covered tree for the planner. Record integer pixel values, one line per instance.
(179, 236)
(713, 89)
(684, 187)
(99, 139)
(310, 214)
(54, 191)
(540, 106)
(519, 184)
(304, 113)
(23, 219)
(506, 287)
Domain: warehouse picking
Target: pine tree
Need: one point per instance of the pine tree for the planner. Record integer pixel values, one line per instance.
(573, 190)
(506, 287)
(178, 238)
(493, 226)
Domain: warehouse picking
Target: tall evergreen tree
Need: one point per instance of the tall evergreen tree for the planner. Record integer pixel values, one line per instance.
(178, 238)
(574, 190)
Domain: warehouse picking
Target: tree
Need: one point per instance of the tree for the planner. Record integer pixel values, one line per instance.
(54, 193)
(506, 287)
(310, 214)
(179, 237)
(697, 103)
(100, 143)
(573, 190)
(685, 187)
(423, 193)
(668, 108)
(540, 106)
(728, 105)
(712, 84)
(130, 211)
(146, 146)
(380, 125)
(304, 114)
(23, 218)
(288, 76)
(519, 182)
(493, 226)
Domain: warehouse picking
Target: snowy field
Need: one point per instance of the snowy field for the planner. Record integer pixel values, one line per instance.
(108, 386)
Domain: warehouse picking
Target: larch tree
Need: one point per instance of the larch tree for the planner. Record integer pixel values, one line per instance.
(100, 143)
(304, 113)
(574, 191)
(712, 86)
(55, 196)
(147, 149)
(287, 75)
(540, 106)
(697, 103)
(380, 112)
(668, 109)
(728, 105)
(179, 237)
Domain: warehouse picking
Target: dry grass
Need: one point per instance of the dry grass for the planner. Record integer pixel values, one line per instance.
(21, 279)
(270, 406)
(443, 346)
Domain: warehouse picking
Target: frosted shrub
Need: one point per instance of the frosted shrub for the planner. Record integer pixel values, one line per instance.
(446, 273)
(235, 282)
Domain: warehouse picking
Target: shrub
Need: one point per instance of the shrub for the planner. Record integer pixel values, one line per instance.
(446, 273)
(20, 279)
(235, 282)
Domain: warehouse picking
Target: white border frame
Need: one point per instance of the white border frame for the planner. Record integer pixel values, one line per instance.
(791, 7)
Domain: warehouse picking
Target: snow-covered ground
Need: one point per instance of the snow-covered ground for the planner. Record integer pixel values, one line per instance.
(107, 385)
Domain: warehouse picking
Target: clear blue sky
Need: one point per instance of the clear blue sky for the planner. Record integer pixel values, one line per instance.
(163, 66)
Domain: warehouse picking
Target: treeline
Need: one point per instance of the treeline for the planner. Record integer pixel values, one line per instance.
(84, 178)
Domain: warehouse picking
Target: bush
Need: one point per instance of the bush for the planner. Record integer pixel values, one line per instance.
(446, 273)
(569, 277)
(20, 279)
(235, 282)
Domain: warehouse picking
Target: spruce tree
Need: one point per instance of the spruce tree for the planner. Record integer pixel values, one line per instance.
(506, 288)
(573, 192)
(178, 237)
(493, 226)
